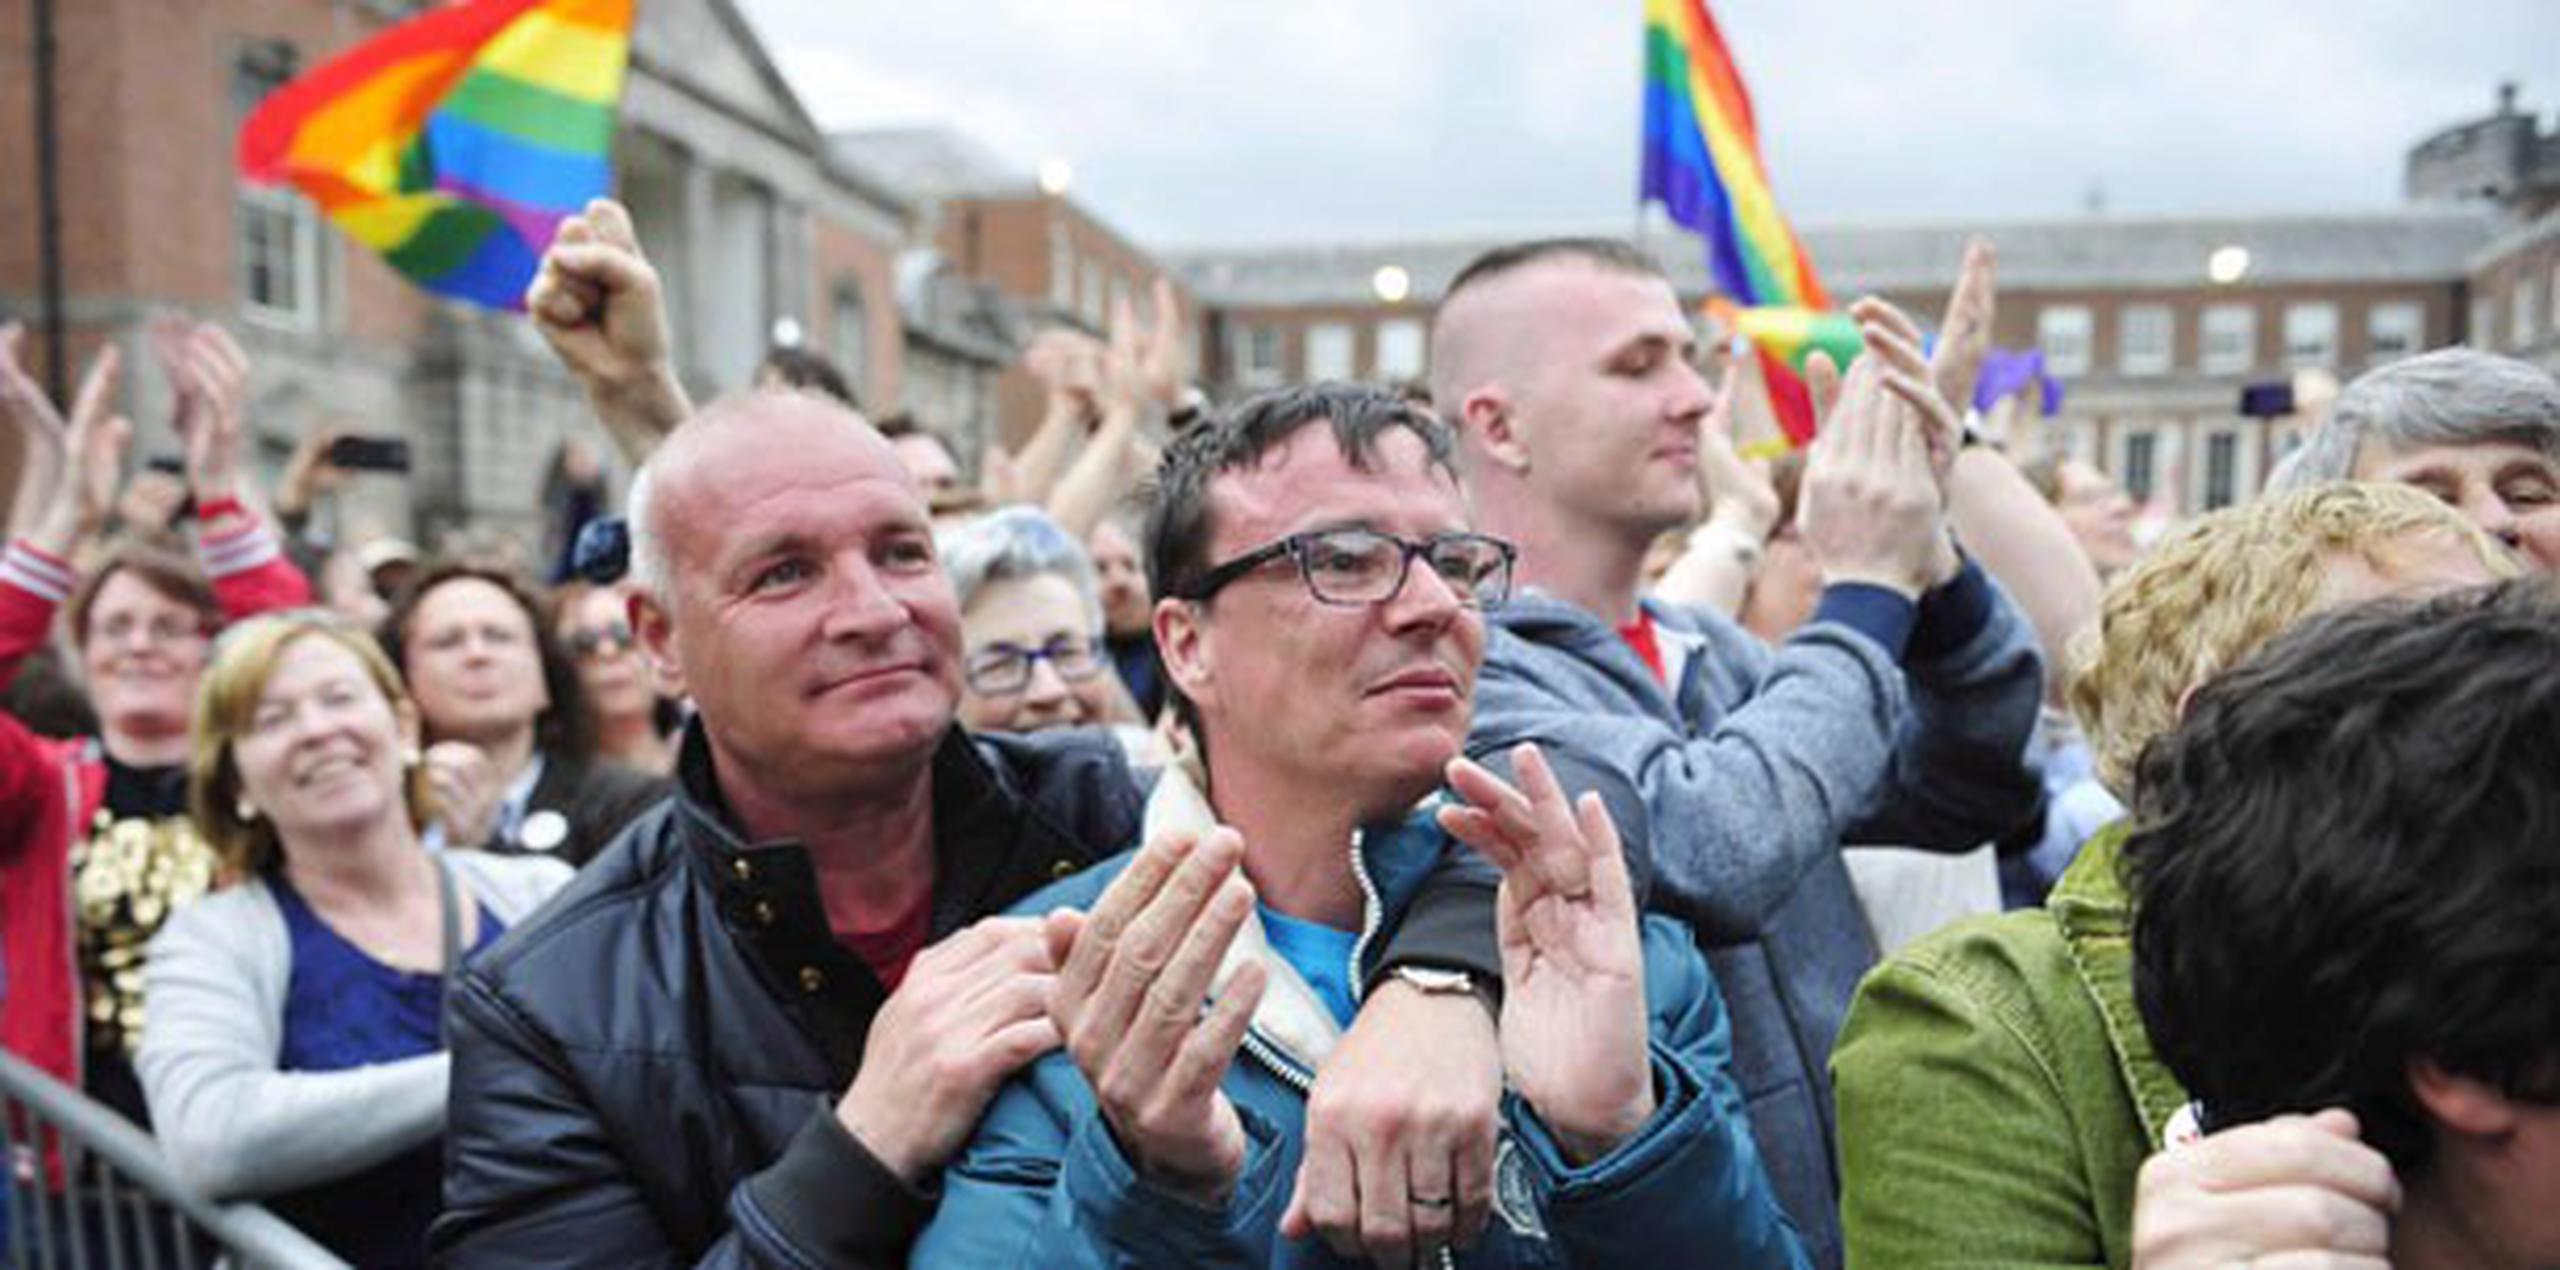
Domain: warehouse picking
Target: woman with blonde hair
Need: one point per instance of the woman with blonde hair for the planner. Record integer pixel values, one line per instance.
(1997, 1092)
(294, 1052)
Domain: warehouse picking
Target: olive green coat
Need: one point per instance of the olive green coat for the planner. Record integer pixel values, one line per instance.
(1997, 1093)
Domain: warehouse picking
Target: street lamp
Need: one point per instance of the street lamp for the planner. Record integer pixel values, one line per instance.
(1391, 283)
(1055, 176)
(2227, 264)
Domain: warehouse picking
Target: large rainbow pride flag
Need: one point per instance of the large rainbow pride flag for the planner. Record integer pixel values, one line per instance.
(455, 142)
(1702, 163)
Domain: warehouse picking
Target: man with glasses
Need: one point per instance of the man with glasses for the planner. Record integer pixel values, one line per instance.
(1898, 715)
(755, 1028)
(1323, 623)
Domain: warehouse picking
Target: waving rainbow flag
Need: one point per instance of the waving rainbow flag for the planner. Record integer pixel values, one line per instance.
(455, 142)
(1702, 163)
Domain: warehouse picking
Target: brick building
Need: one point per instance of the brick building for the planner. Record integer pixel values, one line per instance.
(2155, 323)
(757, 232)
(1046, 258)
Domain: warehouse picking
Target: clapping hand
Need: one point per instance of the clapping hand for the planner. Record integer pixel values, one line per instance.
(1574, 1031)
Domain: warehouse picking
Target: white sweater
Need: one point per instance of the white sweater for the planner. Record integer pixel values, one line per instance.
(231, 1124)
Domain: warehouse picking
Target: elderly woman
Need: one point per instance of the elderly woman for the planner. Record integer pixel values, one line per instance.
(95, 847)
(2479, 431)
(295, 1050)
(1997, 1094)
(1032, 625)
(511, 744)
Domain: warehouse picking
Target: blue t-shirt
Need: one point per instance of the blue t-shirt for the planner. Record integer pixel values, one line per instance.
(1320, 954)
(343, 1009)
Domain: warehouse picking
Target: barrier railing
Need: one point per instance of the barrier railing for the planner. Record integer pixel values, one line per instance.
(89, 1191)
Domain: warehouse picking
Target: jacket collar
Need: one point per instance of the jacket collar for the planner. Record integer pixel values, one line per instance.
(1391, 860)
(766, 892)
(1538, 618)
(2090, 905)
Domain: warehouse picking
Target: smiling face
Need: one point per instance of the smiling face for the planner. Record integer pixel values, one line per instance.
(141, 654)
(1363, 703)
(2509, 489)
(811, 621)
(320, 755)
(1604, 401)
(1067, 688)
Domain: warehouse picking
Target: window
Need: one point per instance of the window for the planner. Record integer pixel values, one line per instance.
(277, 231)
(1329, 351)
(2141, 456)
(2221, 469)
(2524, 312)
(1255, 350)
(2145, 336)
(2310, 335)
(2393, 331)
(2482, 312)
(2063, 333)
(1400, 349)
(1092, 294)
(2230, 343)
(1062, 267)
(849, 335)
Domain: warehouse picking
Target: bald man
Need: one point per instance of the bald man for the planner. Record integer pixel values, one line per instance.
(1897, 715)
(759, 1024)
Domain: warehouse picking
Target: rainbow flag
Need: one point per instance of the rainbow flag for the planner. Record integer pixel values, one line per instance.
(1783, 338)
(1702, 163)
(455, 142)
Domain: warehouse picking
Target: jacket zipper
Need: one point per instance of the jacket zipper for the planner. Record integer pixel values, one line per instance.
(1372, 914)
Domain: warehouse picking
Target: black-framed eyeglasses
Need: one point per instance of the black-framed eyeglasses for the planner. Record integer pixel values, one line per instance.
(1001, 670)
(1366, 566)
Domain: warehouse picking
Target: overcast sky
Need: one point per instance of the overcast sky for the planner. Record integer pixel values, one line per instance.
(1221, 121)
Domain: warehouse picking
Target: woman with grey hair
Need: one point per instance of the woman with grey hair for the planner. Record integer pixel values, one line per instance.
(1031, 619)
(2479, 431)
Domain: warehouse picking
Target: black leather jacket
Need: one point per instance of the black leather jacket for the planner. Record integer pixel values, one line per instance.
(645, 1072)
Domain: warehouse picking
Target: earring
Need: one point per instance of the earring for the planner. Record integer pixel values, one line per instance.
(246, 810)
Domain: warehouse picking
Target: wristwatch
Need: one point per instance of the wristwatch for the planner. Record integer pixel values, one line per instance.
(1440, 981)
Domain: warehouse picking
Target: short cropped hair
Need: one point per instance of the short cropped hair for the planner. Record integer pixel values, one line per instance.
(2220, 587)
(1607, 253)
(227, 702)
(2347, 859)
(2452, 396)
(1012, 543)
(1179, 525)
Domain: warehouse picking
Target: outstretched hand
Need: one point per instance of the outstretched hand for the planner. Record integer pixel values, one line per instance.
(1574, 1035)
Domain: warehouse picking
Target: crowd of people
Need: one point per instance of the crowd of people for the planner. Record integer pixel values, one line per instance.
(1508, 820)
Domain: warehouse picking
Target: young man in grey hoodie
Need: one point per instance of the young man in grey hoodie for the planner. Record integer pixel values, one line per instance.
(1899, 714)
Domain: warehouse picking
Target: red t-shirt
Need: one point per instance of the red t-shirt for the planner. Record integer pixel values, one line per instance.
(889, 950)
(1640, 637)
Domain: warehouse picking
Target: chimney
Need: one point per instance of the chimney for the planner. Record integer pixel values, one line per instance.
(2506, 98)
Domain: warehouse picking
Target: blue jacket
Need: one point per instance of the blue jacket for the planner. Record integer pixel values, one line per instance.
(1879, 722)
(1045, 1184)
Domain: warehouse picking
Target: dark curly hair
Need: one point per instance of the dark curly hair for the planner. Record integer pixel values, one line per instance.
(2347, 859)
(1178, 525)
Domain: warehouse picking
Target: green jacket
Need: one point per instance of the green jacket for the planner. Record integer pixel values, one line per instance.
(1997, 1094)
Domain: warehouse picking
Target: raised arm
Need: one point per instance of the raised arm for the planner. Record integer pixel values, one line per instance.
(598, 302)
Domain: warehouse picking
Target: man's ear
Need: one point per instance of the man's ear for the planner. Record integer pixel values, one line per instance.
(1487, 414)
(655, 628)
(2463, 1104)
(1183, 647)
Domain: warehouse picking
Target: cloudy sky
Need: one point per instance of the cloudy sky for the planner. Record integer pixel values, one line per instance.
(1221, 121)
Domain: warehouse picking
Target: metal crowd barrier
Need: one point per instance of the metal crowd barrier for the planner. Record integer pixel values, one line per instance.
(86, 1189)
